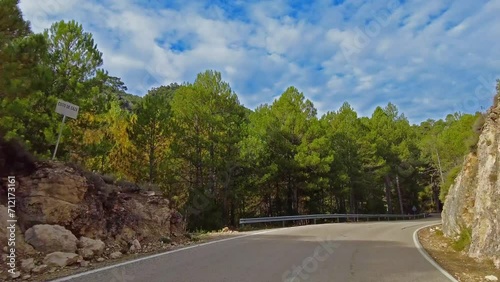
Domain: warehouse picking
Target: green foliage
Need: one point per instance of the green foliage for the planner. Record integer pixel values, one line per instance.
(478, 124)
(464, 240)
(213, 158)
(439, 232)
(450, 179)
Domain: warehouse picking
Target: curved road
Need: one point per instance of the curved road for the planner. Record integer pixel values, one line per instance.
(344, 252)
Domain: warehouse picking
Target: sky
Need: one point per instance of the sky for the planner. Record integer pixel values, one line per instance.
(430, 58)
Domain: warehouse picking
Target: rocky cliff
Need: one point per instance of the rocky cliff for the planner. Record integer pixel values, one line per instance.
(66, 215)
(473, 201)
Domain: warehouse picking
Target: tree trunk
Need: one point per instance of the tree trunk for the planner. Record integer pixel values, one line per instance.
(399, 195)
(388, 193)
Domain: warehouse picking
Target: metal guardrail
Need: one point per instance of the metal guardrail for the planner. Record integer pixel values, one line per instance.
(315, 217)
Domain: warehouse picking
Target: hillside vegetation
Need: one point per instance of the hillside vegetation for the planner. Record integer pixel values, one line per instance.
(214, 159)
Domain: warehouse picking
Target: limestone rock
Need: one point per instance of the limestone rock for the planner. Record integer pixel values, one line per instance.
(16, 274)
(50, 196)
(61, 259)
(51, 238)
(27, 264)
(90, 247)
(135, 246)
(39, 268)
(86, 253)
(115, 255)
(473, 201)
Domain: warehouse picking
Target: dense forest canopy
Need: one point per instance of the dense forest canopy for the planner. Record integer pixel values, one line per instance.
(215, 159)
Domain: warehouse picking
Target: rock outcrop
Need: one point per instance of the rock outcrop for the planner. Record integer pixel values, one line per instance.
(57, 203)
(473, 201)
(82, 202)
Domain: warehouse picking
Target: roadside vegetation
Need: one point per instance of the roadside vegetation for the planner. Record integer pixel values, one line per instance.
(216, 160)
(449, 254)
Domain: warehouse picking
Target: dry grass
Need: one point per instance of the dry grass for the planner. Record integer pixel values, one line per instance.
(458, 264)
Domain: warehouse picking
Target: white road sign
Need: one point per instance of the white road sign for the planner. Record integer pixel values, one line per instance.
(67, 109)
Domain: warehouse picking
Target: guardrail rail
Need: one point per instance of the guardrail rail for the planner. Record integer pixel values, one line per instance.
(315, 217)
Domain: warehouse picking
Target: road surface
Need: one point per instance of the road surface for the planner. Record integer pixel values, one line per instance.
(344, 252)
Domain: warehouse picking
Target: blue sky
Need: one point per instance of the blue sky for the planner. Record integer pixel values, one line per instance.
(429, 58)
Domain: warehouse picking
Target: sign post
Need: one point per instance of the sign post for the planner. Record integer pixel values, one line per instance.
(66, 110)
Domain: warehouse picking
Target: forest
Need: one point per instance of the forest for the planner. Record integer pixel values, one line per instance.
(216, 160)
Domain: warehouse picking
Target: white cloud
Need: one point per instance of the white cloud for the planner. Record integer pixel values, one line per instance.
(433, 50)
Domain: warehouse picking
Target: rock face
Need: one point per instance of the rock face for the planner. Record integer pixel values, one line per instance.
(51, 238)
(474, 199)
(57, 203)
(51, 196)
(85, 204)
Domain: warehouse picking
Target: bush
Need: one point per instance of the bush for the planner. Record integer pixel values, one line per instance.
(109, 179)
(477, 127)
(472, 143)
(463, 241)
(15, 158)
(450, 179)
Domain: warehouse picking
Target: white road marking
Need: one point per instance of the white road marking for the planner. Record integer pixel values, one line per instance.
(158, 255)
(427, 256)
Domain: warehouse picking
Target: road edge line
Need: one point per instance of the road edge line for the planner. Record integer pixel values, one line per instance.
(67, 278)
(426, 255)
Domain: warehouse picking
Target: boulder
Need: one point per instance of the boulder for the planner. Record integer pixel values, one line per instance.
(135, 245)
(51, 238)
(115, 255)
(90, 247)
(61, 259)
(86, 253)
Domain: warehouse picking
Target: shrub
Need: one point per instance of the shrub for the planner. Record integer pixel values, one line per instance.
(450, 179)
(165, 240)
(463, 241)
(477, 127)
(109, 179)
(472, 143)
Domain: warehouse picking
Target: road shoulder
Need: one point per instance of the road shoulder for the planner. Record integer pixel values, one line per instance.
(456, 263)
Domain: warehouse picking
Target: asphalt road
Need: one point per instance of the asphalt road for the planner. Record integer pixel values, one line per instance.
(371, 251)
